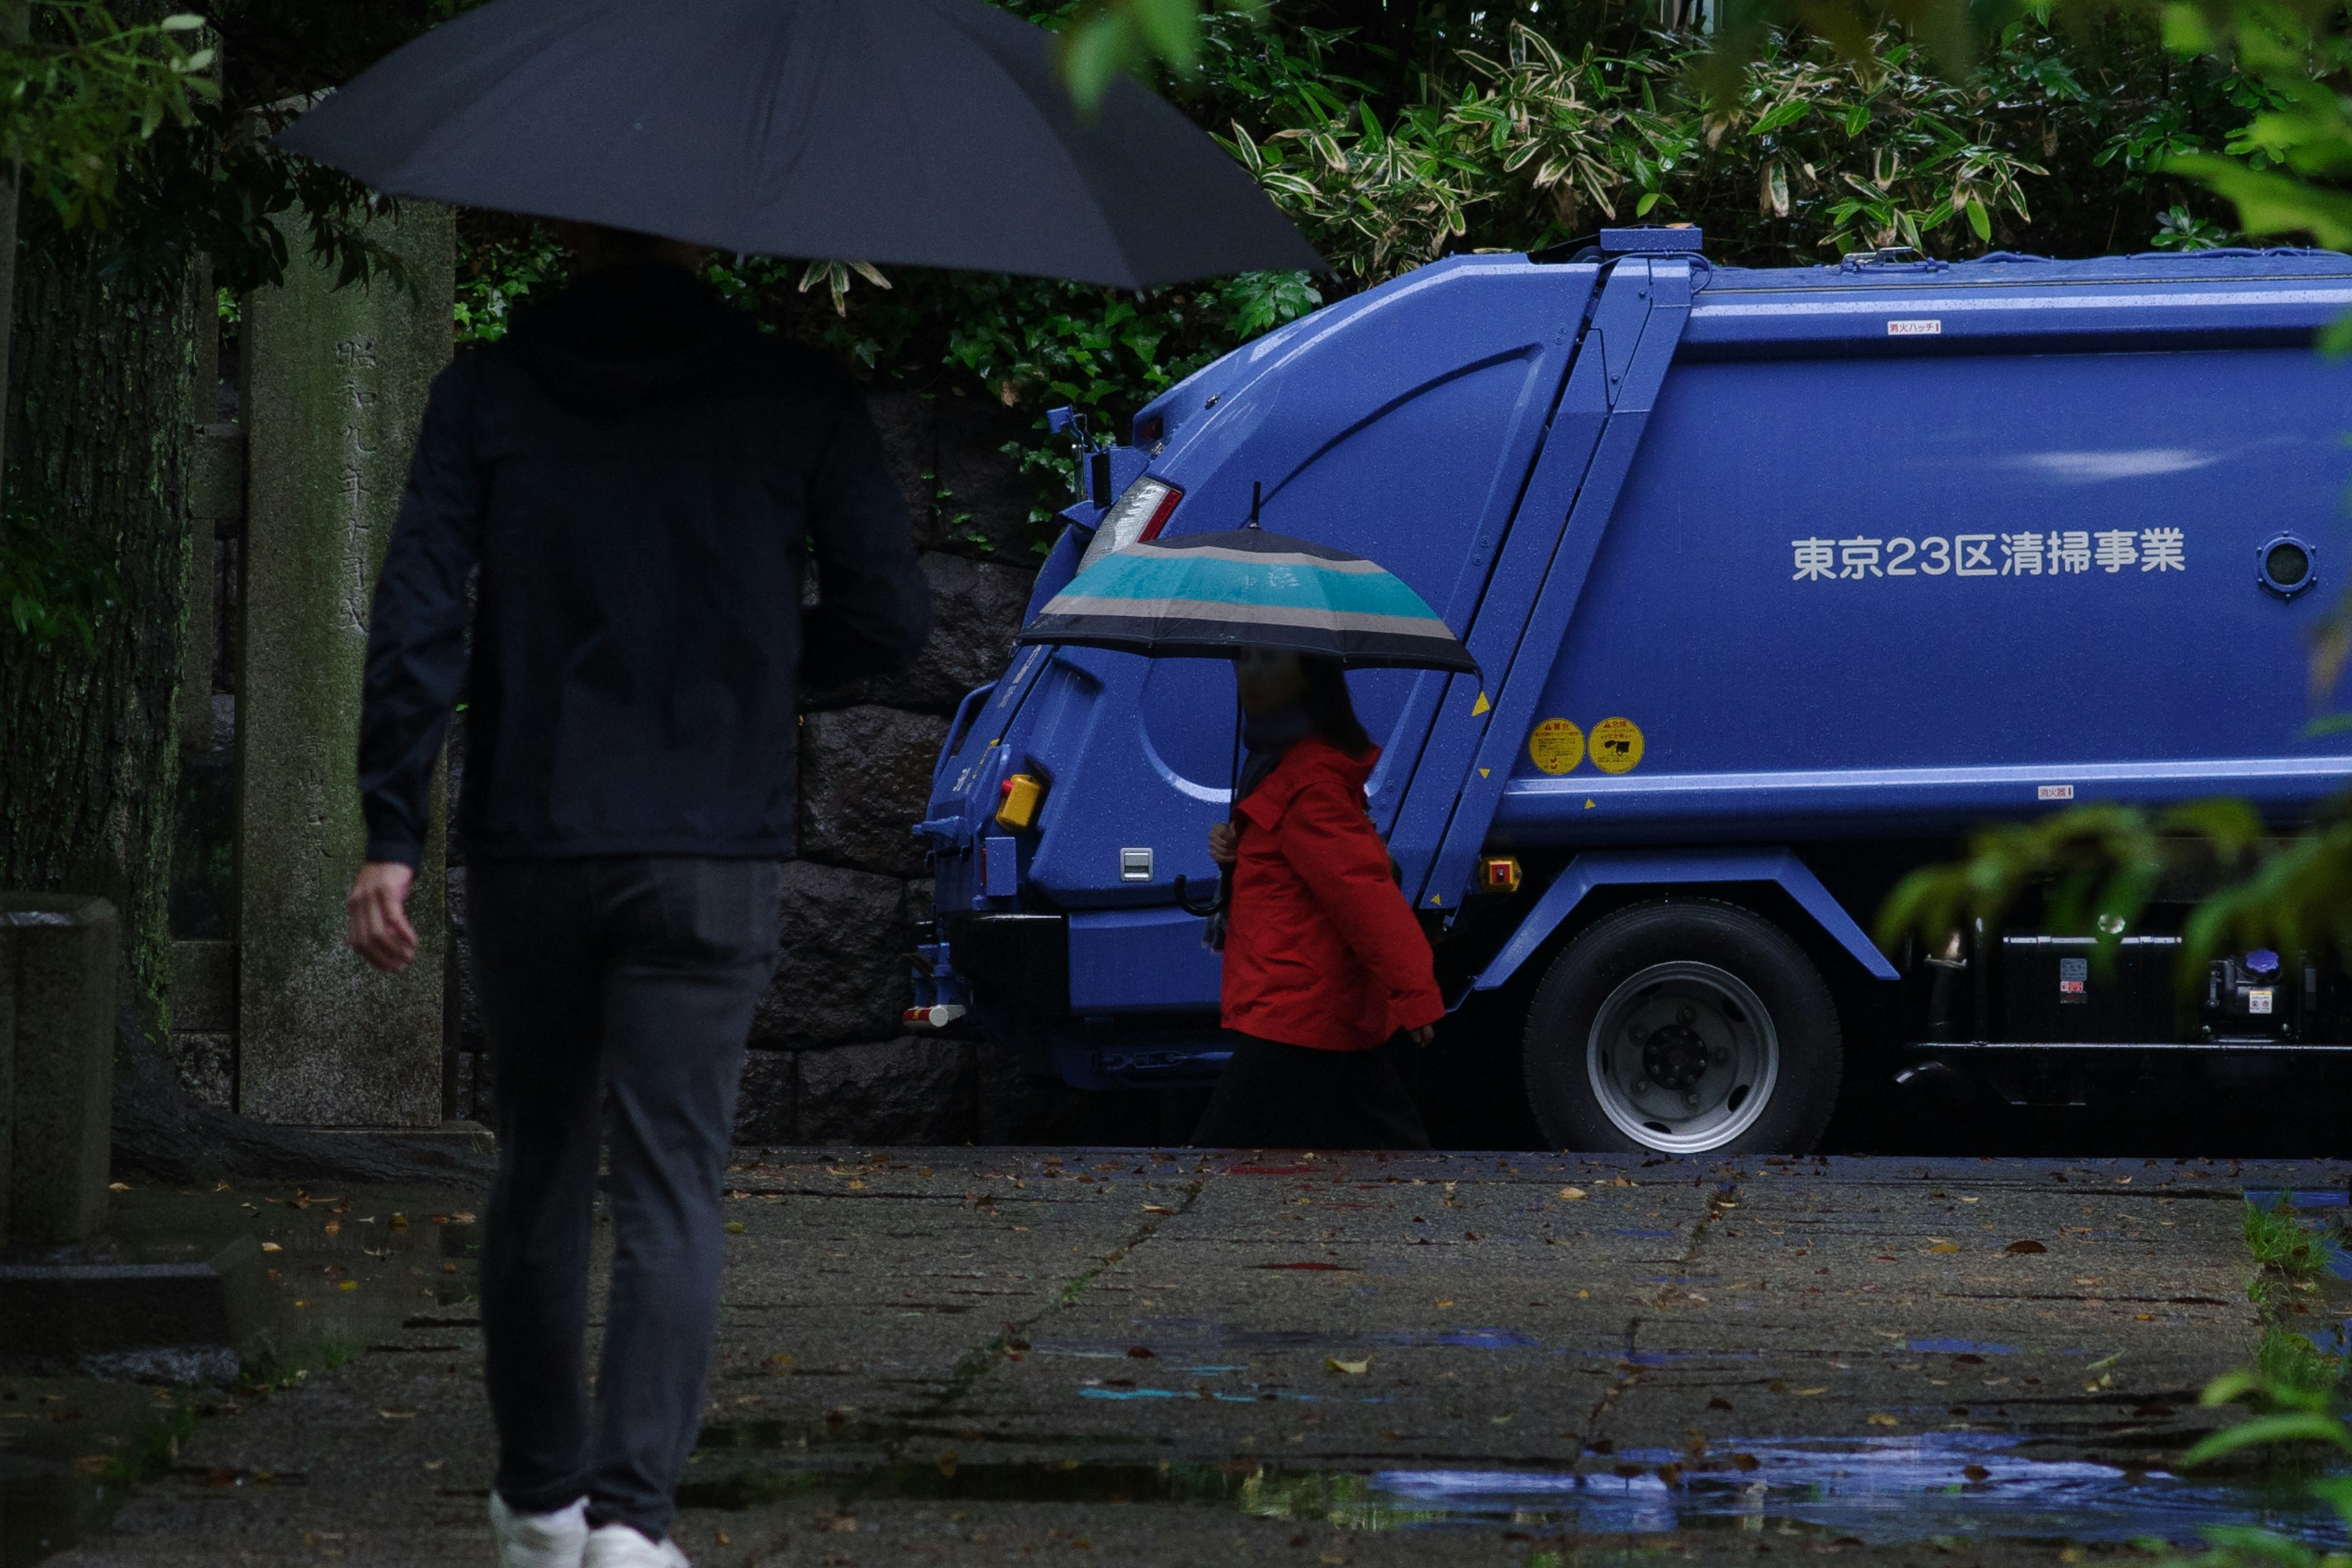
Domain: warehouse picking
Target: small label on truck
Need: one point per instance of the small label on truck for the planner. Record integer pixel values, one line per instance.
(2258, 1001)
(2074, 980)
(1557, 746)
(1616, 746)
(2056, 792)
(1929, 328)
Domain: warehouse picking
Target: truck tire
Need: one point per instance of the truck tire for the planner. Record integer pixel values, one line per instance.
(1720, 1035)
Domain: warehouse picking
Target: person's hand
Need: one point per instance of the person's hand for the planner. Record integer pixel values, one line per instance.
(1225, 843)
(1421, 1035)
(378, 911)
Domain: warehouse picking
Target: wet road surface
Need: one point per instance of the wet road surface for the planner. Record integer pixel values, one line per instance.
(983, 1357)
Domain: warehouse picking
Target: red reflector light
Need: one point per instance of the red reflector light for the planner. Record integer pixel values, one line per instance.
(1160, 513)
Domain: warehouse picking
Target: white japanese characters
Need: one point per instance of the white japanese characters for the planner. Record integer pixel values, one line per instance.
(2030, 554)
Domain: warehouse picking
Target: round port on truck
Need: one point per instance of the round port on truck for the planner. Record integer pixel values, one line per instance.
(2286, 566)
(1683, 1029)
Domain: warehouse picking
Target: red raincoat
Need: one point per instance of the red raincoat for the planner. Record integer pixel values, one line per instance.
(1320, 950)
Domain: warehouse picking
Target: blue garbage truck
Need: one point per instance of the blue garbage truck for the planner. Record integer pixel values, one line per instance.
(1781, 581)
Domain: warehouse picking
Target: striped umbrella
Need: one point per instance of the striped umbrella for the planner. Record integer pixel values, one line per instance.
(1208, 595)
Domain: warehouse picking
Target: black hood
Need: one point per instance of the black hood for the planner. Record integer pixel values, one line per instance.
(627, 336)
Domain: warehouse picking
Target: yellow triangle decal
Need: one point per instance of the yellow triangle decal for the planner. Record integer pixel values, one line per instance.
(1435, 899)
(1483, 773)
(1481, 706)
(1588, 806)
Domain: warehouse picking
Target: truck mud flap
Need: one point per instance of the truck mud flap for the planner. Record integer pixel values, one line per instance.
(1019, 958)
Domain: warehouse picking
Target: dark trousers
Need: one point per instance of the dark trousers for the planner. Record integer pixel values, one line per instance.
(616, 995)
(1274, 1096)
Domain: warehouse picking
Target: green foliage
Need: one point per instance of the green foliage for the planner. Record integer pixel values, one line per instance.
(78, 87)
(50, 592)
(1107, 37)
(499, 269)
(2293, 1393)
(2098, 867)
(2279, 1242)
(155, 1445)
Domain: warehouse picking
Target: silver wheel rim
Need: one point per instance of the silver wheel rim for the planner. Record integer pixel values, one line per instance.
(1683, 1058)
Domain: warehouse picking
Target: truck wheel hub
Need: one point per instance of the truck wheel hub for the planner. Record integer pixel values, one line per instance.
(1674, 1056)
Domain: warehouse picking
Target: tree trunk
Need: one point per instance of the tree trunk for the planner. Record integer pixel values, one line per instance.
(101, 421)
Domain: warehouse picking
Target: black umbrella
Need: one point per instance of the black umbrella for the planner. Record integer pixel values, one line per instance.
(917, 132)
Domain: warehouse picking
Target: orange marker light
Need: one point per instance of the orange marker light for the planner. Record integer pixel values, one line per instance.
(1498, 873)
(1018, 799)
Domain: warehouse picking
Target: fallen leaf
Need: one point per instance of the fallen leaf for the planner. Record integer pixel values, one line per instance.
(301, 1303)
(400, 1222)
(1719, 1402)
(1142, 1353)
(1807, 1392)
(1977, 1473)
(94, 1464)
(1157, 1208)
(271, 1247)
(347, 1284)
(438, 1218)
(1945, 1246)
(1572, 1193)
(2027, 1247)
(435, 1464)
(335, 1229)
(734, 1228)
(1747, 1462)
(1352, 1368)
(946, 1462)
(1969, 1200)
(448, 1268)
(118, 1186)
(397, 1415)
(1880, 1418)
(2143, 1317)
(840, 1524)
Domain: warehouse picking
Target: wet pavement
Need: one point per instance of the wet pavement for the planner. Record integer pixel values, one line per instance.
(978, 1356)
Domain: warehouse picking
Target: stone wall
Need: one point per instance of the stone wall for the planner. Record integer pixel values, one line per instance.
(828, 1062)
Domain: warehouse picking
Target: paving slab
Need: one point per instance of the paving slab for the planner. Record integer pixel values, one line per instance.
(984, 1356)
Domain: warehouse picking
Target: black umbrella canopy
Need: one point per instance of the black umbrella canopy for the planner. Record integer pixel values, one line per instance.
(913, 133)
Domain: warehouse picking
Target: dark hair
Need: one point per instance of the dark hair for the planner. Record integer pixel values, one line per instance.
(1329, 708)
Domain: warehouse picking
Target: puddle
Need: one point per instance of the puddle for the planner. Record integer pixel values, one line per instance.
(1880, 1490)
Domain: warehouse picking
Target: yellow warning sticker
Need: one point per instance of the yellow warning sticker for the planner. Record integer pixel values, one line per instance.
(1616, 746)
(1557, 746)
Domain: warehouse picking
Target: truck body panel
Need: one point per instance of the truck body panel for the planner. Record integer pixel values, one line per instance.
(1760, 559)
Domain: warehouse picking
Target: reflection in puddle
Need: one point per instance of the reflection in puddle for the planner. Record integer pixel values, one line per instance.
(1881, 1489)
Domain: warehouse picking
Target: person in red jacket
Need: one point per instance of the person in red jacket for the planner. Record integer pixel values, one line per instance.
(1327, 973)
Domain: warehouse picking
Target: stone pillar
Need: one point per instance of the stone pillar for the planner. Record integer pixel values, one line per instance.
(58, 953)
(335, 383)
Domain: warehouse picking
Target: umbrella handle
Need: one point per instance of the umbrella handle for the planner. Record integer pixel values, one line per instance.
(1184, 900)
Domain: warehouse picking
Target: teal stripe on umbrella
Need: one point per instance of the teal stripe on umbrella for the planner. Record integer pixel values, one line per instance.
(1208, 595)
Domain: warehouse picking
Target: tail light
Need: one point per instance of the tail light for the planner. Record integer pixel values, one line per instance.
(1139, 513)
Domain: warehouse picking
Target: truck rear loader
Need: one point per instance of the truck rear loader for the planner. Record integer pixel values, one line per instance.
(1780, 581)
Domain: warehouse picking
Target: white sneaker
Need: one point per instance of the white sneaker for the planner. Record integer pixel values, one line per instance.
(539, 1540)
(621, 1546)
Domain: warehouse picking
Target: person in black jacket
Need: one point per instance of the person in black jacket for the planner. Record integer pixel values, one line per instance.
(637, 483)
